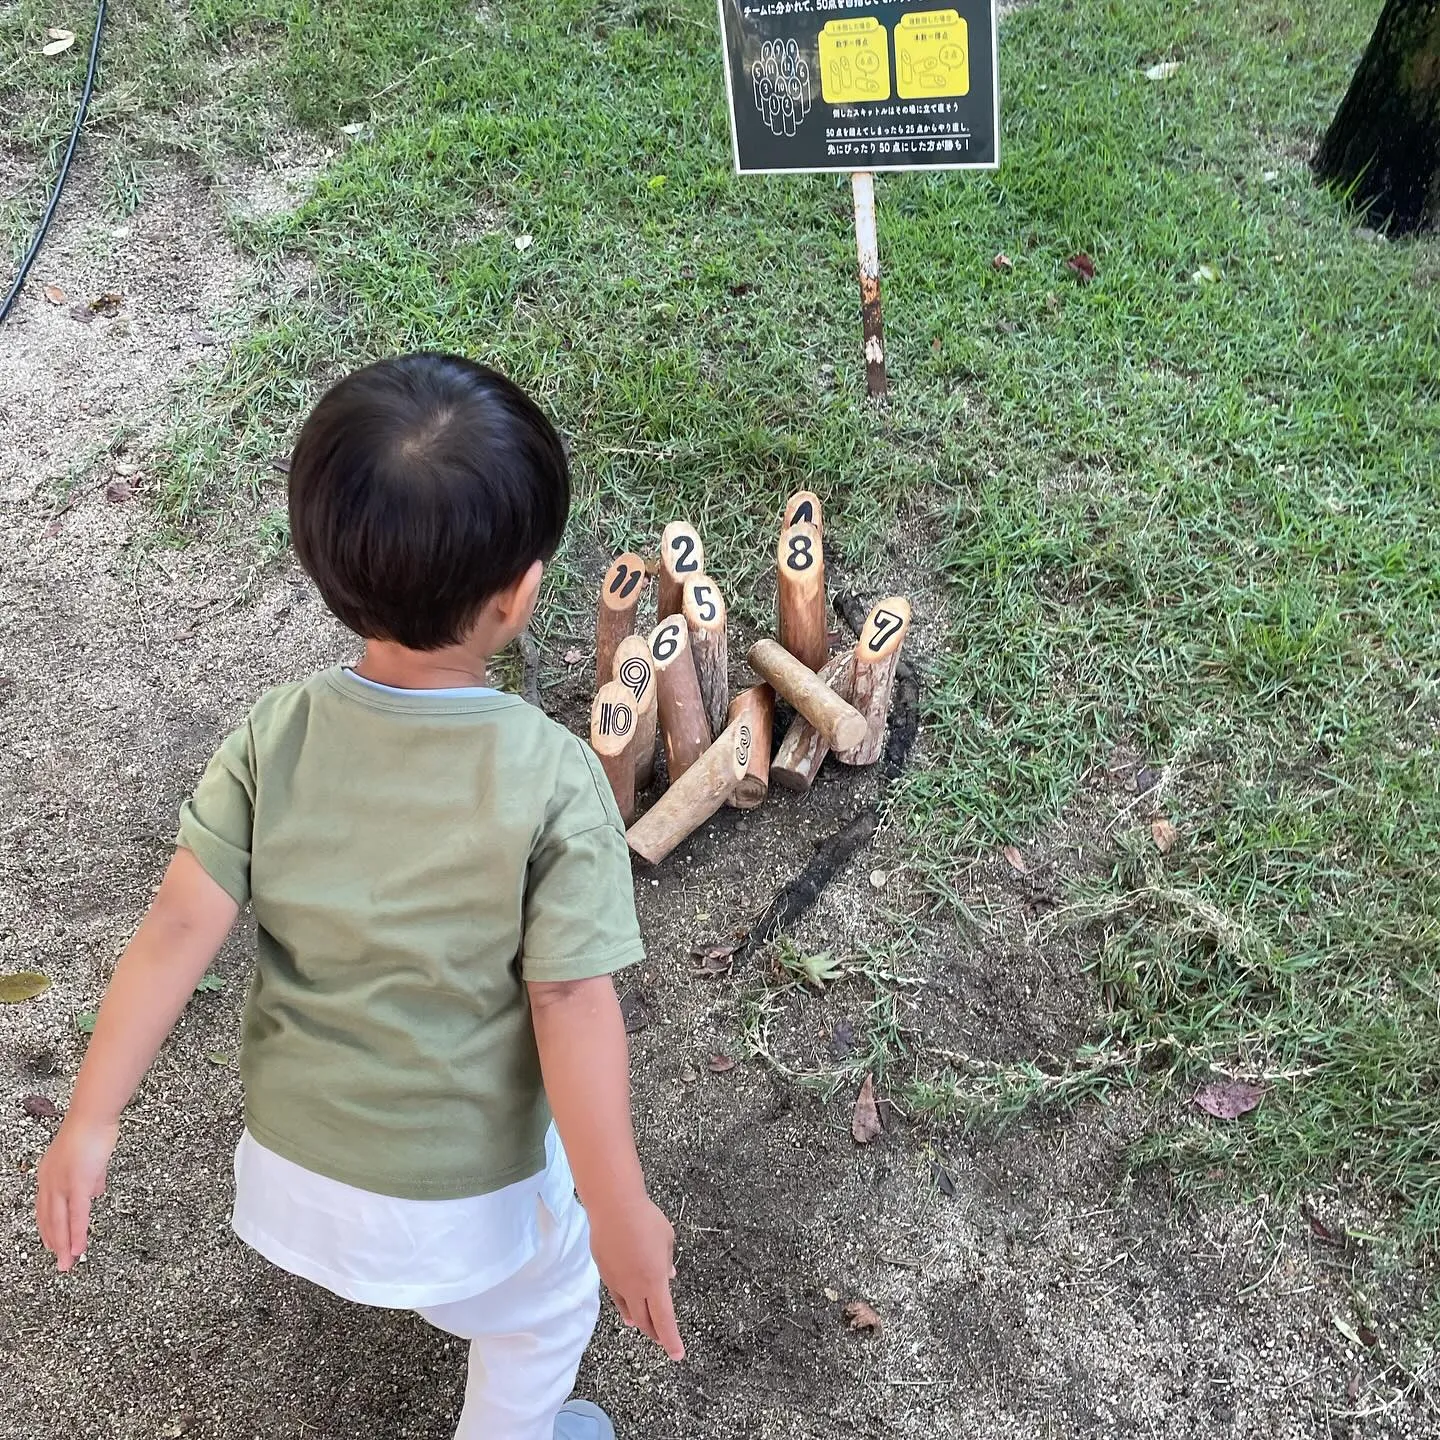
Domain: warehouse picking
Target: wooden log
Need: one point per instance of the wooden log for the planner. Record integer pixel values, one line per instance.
(620, 593)
(877, 653)
(683, 725)
(705, 618)
(681, 556)
(842, 725)
(695, 797)
(636, 671)
(803, 508)
(804, 748)
(612, 737)
(756, 706)
(800, 595)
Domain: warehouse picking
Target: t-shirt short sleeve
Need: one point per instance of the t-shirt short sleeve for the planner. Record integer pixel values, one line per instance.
(579, 898)
(216, 822)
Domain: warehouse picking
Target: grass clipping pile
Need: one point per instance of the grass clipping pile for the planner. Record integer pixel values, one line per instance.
(667, 697)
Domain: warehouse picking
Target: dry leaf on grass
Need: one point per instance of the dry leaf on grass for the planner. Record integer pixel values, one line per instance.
(713, 959)
(107, 304)
(1228, 1099)
(117, 492)
(1082, 267)
(721, 1064)
(59, 42)
(1163, 71)
(1003, 263)
(866, 1125)
(524, 242)
(22, 985)
(55, 295)
(1016, 859)
(860, 1316)
(1164, 834)
(40, 1107)
(1206, 275)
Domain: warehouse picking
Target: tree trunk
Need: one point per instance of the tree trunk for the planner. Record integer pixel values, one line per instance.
(1383, 146)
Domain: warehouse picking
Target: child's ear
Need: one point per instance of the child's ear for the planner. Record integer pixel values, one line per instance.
(515, 604)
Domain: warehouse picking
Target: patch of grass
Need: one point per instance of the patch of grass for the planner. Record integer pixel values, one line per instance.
(1183, 517)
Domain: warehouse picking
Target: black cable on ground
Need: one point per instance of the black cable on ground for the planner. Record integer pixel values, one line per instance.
(80, 113)
(832, 855)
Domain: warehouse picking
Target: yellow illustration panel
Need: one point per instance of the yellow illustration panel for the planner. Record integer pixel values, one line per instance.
(932, 55)
(854, 61)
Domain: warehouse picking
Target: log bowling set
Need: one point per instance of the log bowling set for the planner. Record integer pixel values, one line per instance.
(719, 749)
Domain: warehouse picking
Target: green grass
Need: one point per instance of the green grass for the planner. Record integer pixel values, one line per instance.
(1187, 520)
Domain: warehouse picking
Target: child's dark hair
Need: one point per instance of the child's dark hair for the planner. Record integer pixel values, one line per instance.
(420, 487)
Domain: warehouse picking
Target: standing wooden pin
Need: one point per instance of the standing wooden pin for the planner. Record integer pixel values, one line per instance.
(681, 556)
(615, 618)
(612, 738)
(804, 748)
(877, 653)
(756, 706)
(690, 802)
(800, 592)
(635, 670)
(683, 725)
(704, 608)
(803, 508)
(841, 724)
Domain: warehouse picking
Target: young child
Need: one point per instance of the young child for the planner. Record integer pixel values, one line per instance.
(442, 891)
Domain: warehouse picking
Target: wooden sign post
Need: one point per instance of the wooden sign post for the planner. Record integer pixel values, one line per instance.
(756, 706)
(877, 653)
(683, 723)
(620, 593)
(841, 724)
(804, 623)
(804, 748)
(681, 556)
(612, 738)
(693, 799)
(704, 609)
(636, 672)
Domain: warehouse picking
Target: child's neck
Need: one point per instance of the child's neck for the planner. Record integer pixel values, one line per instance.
(456, 667)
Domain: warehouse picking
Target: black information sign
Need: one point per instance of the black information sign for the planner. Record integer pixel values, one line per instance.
(861, 84)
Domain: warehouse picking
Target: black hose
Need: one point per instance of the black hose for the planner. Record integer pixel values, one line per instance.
(49, 215)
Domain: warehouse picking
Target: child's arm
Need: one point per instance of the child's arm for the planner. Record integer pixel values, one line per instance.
(179, 937)
(585, 1060)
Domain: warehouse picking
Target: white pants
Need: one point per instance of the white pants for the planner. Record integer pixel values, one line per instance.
(527, 1334)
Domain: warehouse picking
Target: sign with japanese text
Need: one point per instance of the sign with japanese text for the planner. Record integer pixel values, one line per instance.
(861, 84)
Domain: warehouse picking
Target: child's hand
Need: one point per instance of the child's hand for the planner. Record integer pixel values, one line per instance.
(634, 1249)
(72, 1174)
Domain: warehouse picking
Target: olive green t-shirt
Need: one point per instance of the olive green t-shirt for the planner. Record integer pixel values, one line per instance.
(412, 861)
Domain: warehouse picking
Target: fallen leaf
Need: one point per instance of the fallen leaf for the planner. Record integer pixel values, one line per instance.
(1206, 275)
(741, 289)
(573, 656)
(721, 1064)
(1320, 1230)
(1164, 835)
(860, 1316)
(60, 42)
(866, 1125)
(1163, 71)
(713, 959)
(689, 1074)
(937, 345)
(82, 313)
(55, 295)
(842, 1039)
(108, 304)
(1352, 1385)
(40, 1107)
(831, 1295)
(22, 985)
(635, 1011)
(1082, 267)
(524, 242)
(1347, 1330)
(1146, 778)
(119, 491)
(1016, 859)
(217, 1057)
(353, 128)
(944, 1181)
(210, 982)
(56, 33)
(1003, 263)
(1228, 1099)
(85, 1022)
(1368, 1338)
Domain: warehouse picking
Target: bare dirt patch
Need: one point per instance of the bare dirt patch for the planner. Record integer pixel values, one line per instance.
(1048, 1295)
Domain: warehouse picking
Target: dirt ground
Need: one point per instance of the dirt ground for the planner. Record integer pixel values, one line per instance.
(1047, 1296)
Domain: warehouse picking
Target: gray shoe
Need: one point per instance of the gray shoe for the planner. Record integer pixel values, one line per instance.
(580, 1420)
